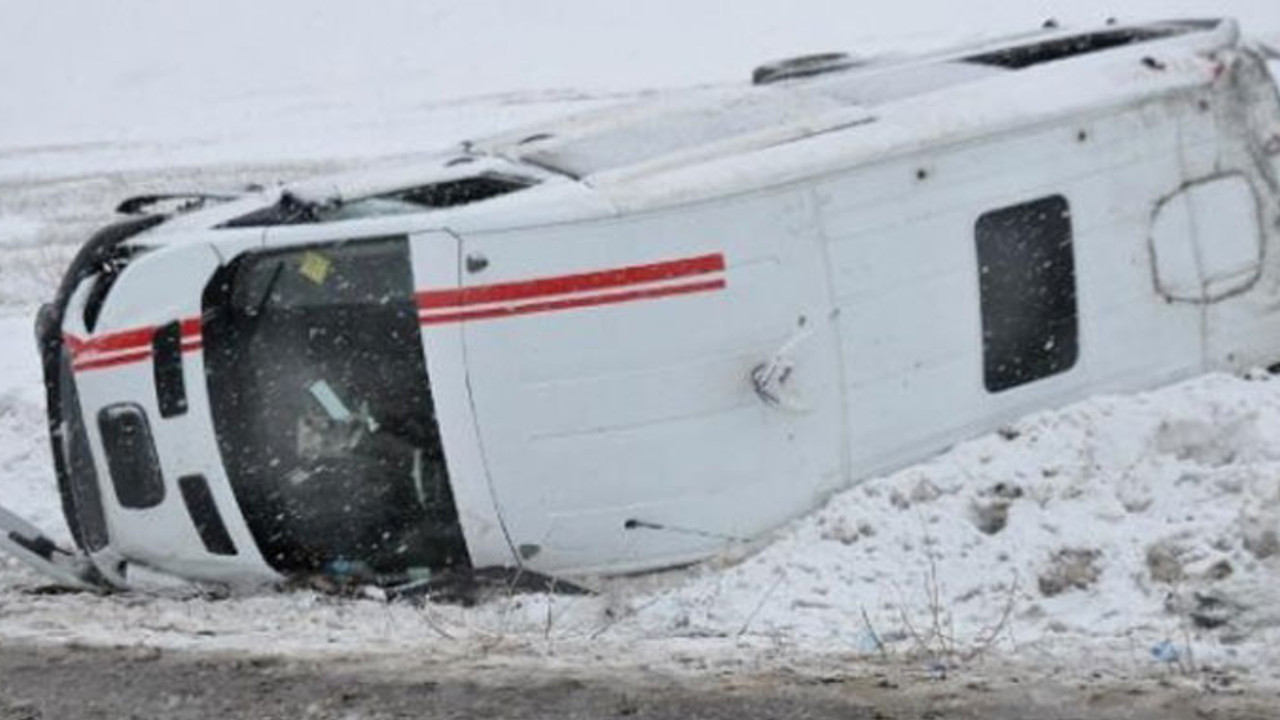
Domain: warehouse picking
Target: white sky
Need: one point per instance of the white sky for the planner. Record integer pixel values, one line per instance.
(75, 70)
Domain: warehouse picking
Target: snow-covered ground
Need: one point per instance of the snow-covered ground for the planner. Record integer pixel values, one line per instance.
(1139, 530)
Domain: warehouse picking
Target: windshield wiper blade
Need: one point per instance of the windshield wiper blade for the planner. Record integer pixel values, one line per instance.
(138, 204)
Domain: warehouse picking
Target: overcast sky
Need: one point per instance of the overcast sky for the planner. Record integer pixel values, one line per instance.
(75, 70)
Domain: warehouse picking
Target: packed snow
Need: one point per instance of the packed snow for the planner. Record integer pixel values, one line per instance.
(1140, 531)
(19, 231)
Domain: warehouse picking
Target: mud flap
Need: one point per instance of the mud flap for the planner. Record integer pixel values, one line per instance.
(66, 569)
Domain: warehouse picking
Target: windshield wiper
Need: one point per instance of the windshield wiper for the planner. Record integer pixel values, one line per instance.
(288, 210)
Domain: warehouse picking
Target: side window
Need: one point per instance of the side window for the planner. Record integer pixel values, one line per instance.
(1026, 272)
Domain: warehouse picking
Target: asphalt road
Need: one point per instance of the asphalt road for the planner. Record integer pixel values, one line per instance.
(71, 683)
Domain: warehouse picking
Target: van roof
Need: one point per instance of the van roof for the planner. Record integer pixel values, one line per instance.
(799, 118)
(706, 123)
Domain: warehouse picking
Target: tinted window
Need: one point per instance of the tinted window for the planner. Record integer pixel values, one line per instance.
(1026, 272)
(131, 456)
(166, 355)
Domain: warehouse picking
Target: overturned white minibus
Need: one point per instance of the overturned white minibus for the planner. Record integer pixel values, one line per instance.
(636, 338)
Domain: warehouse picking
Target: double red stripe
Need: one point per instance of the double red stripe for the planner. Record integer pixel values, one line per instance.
(126, 346)
(704, 273)
(605, 287)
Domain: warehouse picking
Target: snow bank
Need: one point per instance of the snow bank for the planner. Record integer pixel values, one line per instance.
(1116, 528)
(19, 231)
(1156, 514)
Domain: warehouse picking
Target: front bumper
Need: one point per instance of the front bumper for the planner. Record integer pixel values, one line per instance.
(78, 482)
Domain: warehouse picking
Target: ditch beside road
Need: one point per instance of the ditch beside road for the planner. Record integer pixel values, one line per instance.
(69, 683)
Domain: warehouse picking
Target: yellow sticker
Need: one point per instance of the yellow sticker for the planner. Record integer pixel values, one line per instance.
(315, 267)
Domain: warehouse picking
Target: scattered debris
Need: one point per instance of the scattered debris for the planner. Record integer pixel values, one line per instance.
(991, 517)
(1261, 542)
(1005, 491)
(1164, 563)
(1212, 612)
(1070, 569)
(846, 531)
(924, 492)
(1166, 652)
(1220, 570)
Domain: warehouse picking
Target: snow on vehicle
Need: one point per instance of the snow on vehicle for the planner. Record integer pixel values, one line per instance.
(636, 337)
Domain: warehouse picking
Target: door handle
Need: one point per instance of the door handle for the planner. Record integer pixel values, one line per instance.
(476, 262)
(772, 378)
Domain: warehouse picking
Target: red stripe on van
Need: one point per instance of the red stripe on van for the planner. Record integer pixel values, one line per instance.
(134, 345)
(112, 342)
(192, 327)
(126, 346)
(113, 360)
(570, 284)
(572, 302)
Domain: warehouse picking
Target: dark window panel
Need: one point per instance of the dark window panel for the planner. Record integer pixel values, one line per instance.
(1026, 271)
(166, 354)
(204, 514)
(131, 456)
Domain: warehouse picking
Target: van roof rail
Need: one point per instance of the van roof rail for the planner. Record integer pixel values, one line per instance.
(803, 66)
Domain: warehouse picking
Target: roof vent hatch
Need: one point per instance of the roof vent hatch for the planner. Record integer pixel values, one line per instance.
(803, 66)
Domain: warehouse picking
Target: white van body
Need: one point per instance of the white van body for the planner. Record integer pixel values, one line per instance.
(696, 318)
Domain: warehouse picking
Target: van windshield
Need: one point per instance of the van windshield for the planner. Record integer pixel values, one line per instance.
(323, 410)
